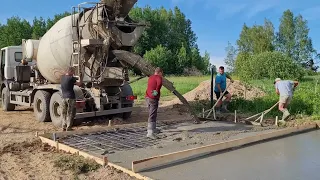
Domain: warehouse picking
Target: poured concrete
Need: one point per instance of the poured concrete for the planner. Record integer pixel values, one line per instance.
(186, 136)
(294, 157)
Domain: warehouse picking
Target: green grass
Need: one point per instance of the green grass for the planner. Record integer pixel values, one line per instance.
(182, 84)
(305, 101)
(76, 164)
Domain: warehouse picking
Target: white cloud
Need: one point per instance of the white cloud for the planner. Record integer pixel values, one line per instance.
(258, 8)
(229, 9)
(247, 8)
(311, 14)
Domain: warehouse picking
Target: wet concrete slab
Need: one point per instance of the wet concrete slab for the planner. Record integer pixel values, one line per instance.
(290, 158)
(185, 136)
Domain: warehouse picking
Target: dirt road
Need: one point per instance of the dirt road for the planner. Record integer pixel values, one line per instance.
(22, 156)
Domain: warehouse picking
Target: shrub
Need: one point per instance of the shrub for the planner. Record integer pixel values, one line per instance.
(267, 65)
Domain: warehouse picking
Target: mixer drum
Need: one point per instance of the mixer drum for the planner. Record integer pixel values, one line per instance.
(55, 50)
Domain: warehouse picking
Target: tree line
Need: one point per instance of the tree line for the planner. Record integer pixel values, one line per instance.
(16, 29)
(168, 41)
(261, 52)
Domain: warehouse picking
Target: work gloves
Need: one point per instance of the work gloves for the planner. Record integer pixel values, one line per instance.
(154, 93)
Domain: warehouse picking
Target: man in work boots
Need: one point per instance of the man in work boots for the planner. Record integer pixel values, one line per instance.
(69, 98)
(285, 88)
(220, 87)
(152, 98)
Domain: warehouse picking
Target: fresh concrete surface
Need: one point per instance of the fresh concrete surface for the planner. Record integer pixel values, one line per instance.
(186, 136)
(291, 158)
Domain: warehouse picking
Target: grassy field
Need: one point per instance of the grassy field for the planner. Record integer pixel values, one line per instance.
(182, 84)
(306, 101)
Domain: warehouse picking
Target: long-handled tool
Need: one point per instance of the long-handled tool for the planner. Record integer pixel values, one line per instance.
(212, 109)
(262, 114)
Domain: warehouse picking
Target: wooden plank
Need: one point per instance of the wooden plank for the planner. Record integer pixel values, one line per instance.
(158, 161)
(131, 173)
(72, 150)
(100, 161)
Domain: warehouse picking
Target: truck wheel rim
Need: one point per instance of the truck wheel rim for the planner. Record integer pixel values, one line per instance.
(39, 105)
(56, 109)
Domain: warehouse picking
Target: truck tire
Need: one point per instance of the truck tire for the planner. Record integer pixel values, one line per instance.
(41, 102)
(127, 115)
(56, 111)
(5, 98)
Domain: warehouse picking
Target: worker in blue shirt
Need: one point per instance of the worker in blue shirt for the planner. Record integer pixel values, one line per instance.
(220, 87)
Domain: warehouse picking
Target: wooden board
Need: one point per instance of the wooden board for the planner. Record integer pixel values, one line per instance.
(68, 149)
(166, 159)
(101, 161)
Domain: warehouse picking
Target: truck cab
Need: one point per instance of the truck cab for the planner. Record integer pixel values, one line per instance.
(10, 57)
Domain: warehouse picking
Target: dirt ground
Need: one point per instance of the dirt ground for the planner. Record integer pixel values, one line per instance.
(23, 157)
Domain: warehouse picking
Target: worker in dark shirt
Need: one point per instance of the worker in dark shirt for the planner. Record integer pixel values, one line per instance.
(152, 98)
(69, 98)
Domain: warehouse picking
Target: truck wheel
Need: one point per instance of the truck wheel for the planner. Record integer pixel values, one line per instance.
(56, 109)
(41, 106)
(127, 115)
(5, 97)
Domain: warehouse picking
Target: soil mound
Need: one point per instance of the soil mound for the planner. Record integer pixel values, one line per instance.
(202, 92)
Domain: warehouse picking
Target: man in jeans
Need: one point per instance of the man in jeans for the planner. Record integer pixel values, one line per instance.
(285, 89)
(152, 98)
(69, 98)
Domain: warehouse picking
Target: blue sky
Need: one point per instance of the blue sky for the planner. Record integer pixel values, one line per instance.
(215, 22)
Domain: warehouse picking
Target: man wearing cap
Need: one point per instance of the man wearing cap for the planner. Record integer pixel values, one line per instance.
(285, 88)
(220, 87)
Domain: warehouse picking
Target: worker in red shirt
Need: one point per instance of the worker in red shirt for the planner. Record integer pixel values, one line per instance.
(152, 98)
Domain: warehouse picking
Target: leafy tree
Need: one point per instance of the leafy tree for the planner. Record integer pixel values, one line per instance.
(14, 31)
(206, 63)
(196, 59)
(160, 56)
(256, 39)
(303, 46)
(286, 35)
(182, 59)
(231, 57)
(244, 42)
(38, 28)
(293, 38)
(267, 65)
(56, 18)
(172, 30)
(169, 34)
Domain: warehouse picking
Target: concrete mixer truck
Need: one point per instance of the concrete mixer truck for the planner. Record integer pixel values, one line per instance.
(97, 41)
(84, 40)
